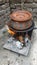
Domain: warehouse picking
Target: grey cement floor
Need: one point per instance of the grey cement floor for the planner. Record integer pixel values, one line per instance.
(12, 58)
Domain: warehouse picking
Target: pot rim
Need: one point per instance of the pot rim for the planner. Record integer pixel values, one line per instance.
(16, 17)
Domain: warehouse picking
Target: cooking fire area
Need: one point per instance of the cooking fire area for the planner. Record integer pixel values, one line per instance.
(20, 29)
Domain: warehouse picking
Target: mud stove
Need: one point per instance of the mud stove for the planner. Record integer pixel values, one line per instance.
(20, 28)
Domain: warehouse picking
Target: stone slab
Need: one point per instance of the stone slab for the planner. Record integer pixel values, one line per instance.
(12, 47)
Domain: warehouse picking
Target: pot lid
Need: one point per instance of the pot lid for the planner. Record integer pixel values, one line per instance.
(21, 16)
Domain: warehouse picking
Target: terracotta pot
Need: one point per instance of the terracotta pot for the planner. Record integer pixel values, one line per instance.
(21, 16)
(21, 19)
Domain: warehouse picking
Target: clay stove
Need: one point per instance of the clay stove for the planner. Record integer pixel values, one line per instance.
(20, 28)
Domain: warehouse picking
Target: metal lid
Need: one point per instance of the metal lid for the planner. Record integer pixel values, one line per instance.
(21, 16)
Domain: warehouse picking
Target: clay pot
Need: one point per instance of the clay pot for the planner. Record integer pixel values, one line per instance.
(21, 20)
(21, 16)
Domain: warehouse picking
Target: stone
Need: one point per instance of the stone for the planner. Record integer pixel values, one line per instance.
(35, 19)
(2, 12)
(35, 10)
(7, 1)
(4, 6)
(7, 10)
(28, 9)
(30, 5)
(8, 13)
(3, 1)
(12, 6)
(0, 1)
(34, 14)
(12, 46)
(28, 1)
(0, 8)
(1, 24)
(35, 0)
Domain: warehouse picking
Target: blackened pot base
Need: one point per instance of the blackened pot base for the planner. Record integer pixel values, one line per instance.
(26, 30)
(23, 32)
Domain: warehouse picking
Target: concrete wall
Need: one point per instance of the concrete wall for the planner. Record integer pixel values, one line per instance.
(30, 5)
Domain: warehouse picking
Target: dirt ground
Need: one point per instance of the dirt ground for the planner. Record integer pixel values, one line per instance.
(10, 58)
